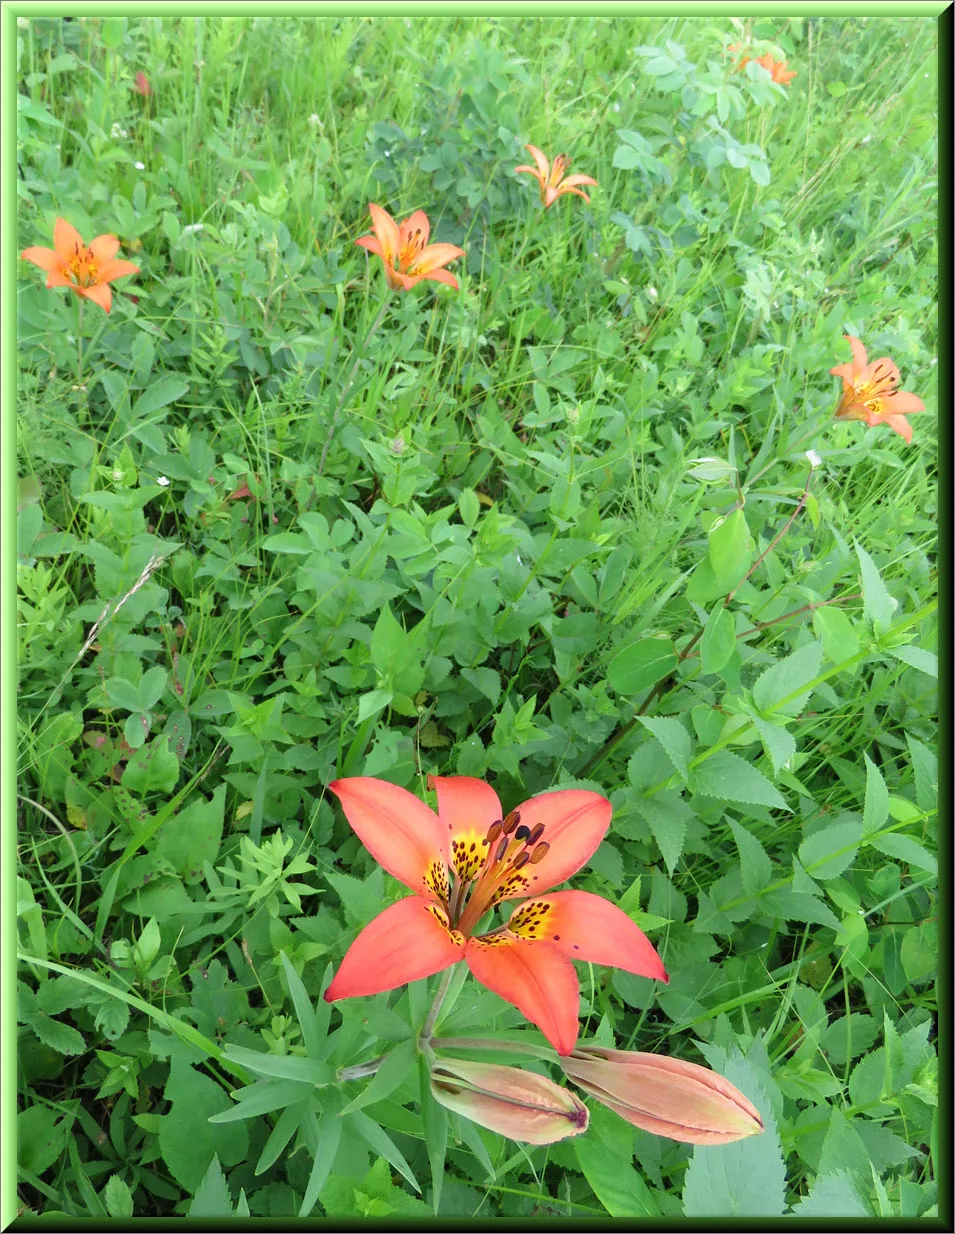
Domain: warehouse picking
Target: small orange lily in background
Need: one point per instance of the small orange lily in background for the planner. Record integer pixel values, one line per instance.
(491, 858)
(665, 1096)
(86, 269)
(408, 246)
(776, 68)
(552, 180)
(870, 392)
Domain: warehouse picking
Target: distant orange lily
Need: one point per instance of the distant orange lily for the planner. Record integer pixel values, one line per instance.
(408, 246)
(870, 392)
(776, 68)
(551, 179)
(86, 269)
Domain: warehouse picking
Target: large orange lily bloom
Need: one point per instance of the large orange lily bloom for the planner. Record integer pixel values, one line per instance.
(408, 246)
(552, 180)
(87, 269)
(463, 861)
(869, 392)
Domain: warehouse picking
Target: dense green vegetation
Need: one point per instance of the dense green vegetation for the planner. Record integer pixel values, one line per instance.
(555, 528)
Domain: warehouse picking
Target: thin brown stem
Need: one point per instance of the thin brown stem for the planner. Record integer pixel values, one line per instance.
(762, 557)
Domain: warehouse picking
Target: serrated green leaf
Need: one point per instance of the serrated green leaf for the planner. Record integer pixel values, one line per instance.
(743, 1179)
(878, 605)
(778, 742)
(117, 1198)
(826, 853)
(159, 394)
(675, 740)
(58, 1036)
(784, 677)
(831, 1196)
(897, 844)
(667, 816)
(756, 869)
(876, 799)
(728, 777)
(212, 1198)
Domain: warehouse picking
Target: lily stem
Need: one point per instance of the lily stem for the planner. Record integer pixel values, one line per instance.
(360, 1070)
(359, 353)
(477, 1043)
(427, 1028)
(79, 340)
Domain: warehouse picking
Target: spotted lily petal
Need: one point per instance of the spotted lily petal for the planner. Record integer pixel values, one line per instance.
(66, 240)
(103, 249)
(574, 821)
(466, 809)
(588, 927)
(536, 978)
(400, 832)
(433, 257)
(406, 942)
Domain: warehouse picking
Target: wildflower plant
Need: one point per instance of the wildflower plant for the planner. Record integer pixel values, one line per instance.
(477, 742)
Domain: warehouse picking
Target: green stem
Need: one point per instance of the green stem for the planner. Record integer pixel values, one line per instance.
(79, 340)
(424, 1037)
(478, 1043)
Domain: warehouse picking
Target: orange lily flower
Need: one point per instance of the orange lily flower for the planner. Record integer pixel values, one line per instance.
(408, 245)
(490, 859)
(870, 392)
(776, 68)
(665, 1096)
(552, 180)
(86, 269)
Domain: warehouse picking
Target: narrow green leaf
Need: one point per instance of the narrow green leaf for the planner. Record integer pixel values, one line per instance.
(382, 1143)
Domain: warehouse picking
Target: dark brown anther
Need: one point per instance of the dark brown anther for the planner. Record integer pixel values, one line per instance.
(521, 860)
(494, 831)
(522, 833)
(539, 853)
(536, 833)
(501, 848)
(511, 821)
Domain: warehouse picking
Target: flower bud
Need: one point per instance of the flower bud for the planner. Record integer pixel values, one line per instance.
(665, 1096)
(519, 1104)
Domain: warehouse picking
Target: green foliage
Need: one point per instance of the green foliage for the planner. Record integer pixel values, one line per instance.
(553, 529)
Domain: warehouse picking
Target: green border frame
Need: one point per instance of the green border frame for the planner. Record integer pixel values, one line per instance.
(708, 9)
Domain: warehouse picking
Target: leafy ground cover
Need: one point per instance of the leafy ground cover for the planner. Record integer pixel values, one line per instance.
(585, 520)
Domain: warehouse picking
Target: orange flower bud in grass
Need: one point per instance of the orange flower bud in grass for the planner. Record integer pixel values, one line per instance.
(871, 392)
(519, 1104)
(665, 1096)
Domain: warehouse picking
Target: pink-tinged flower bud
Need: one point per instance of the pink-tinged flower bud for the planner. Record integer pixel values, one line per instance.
(665, 1096)
(519, 1104)
(141, 85)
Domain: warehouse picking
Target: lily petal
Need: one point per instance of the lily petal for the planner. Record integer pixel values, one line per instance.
(575, 821)
(67, 240)
(570, 181)
(103, 248)
(372, 244)
(400, 832)
(386, 229)
(531, 171)
(466, 809)
(858, 352)
(536, 978)
(406, 942)
(902, 404)
(46, 259)
(588, 927)
(434, 257)
(117, 268)
(56, 278)
(437, 276)
(564, 188)
(412, 237)
(900, 424)
(543, 166)
(847, 372)
(99, 293)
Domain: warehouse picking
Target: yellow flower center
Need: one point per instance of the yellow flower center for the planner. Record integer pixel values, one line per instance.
(82, 267)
